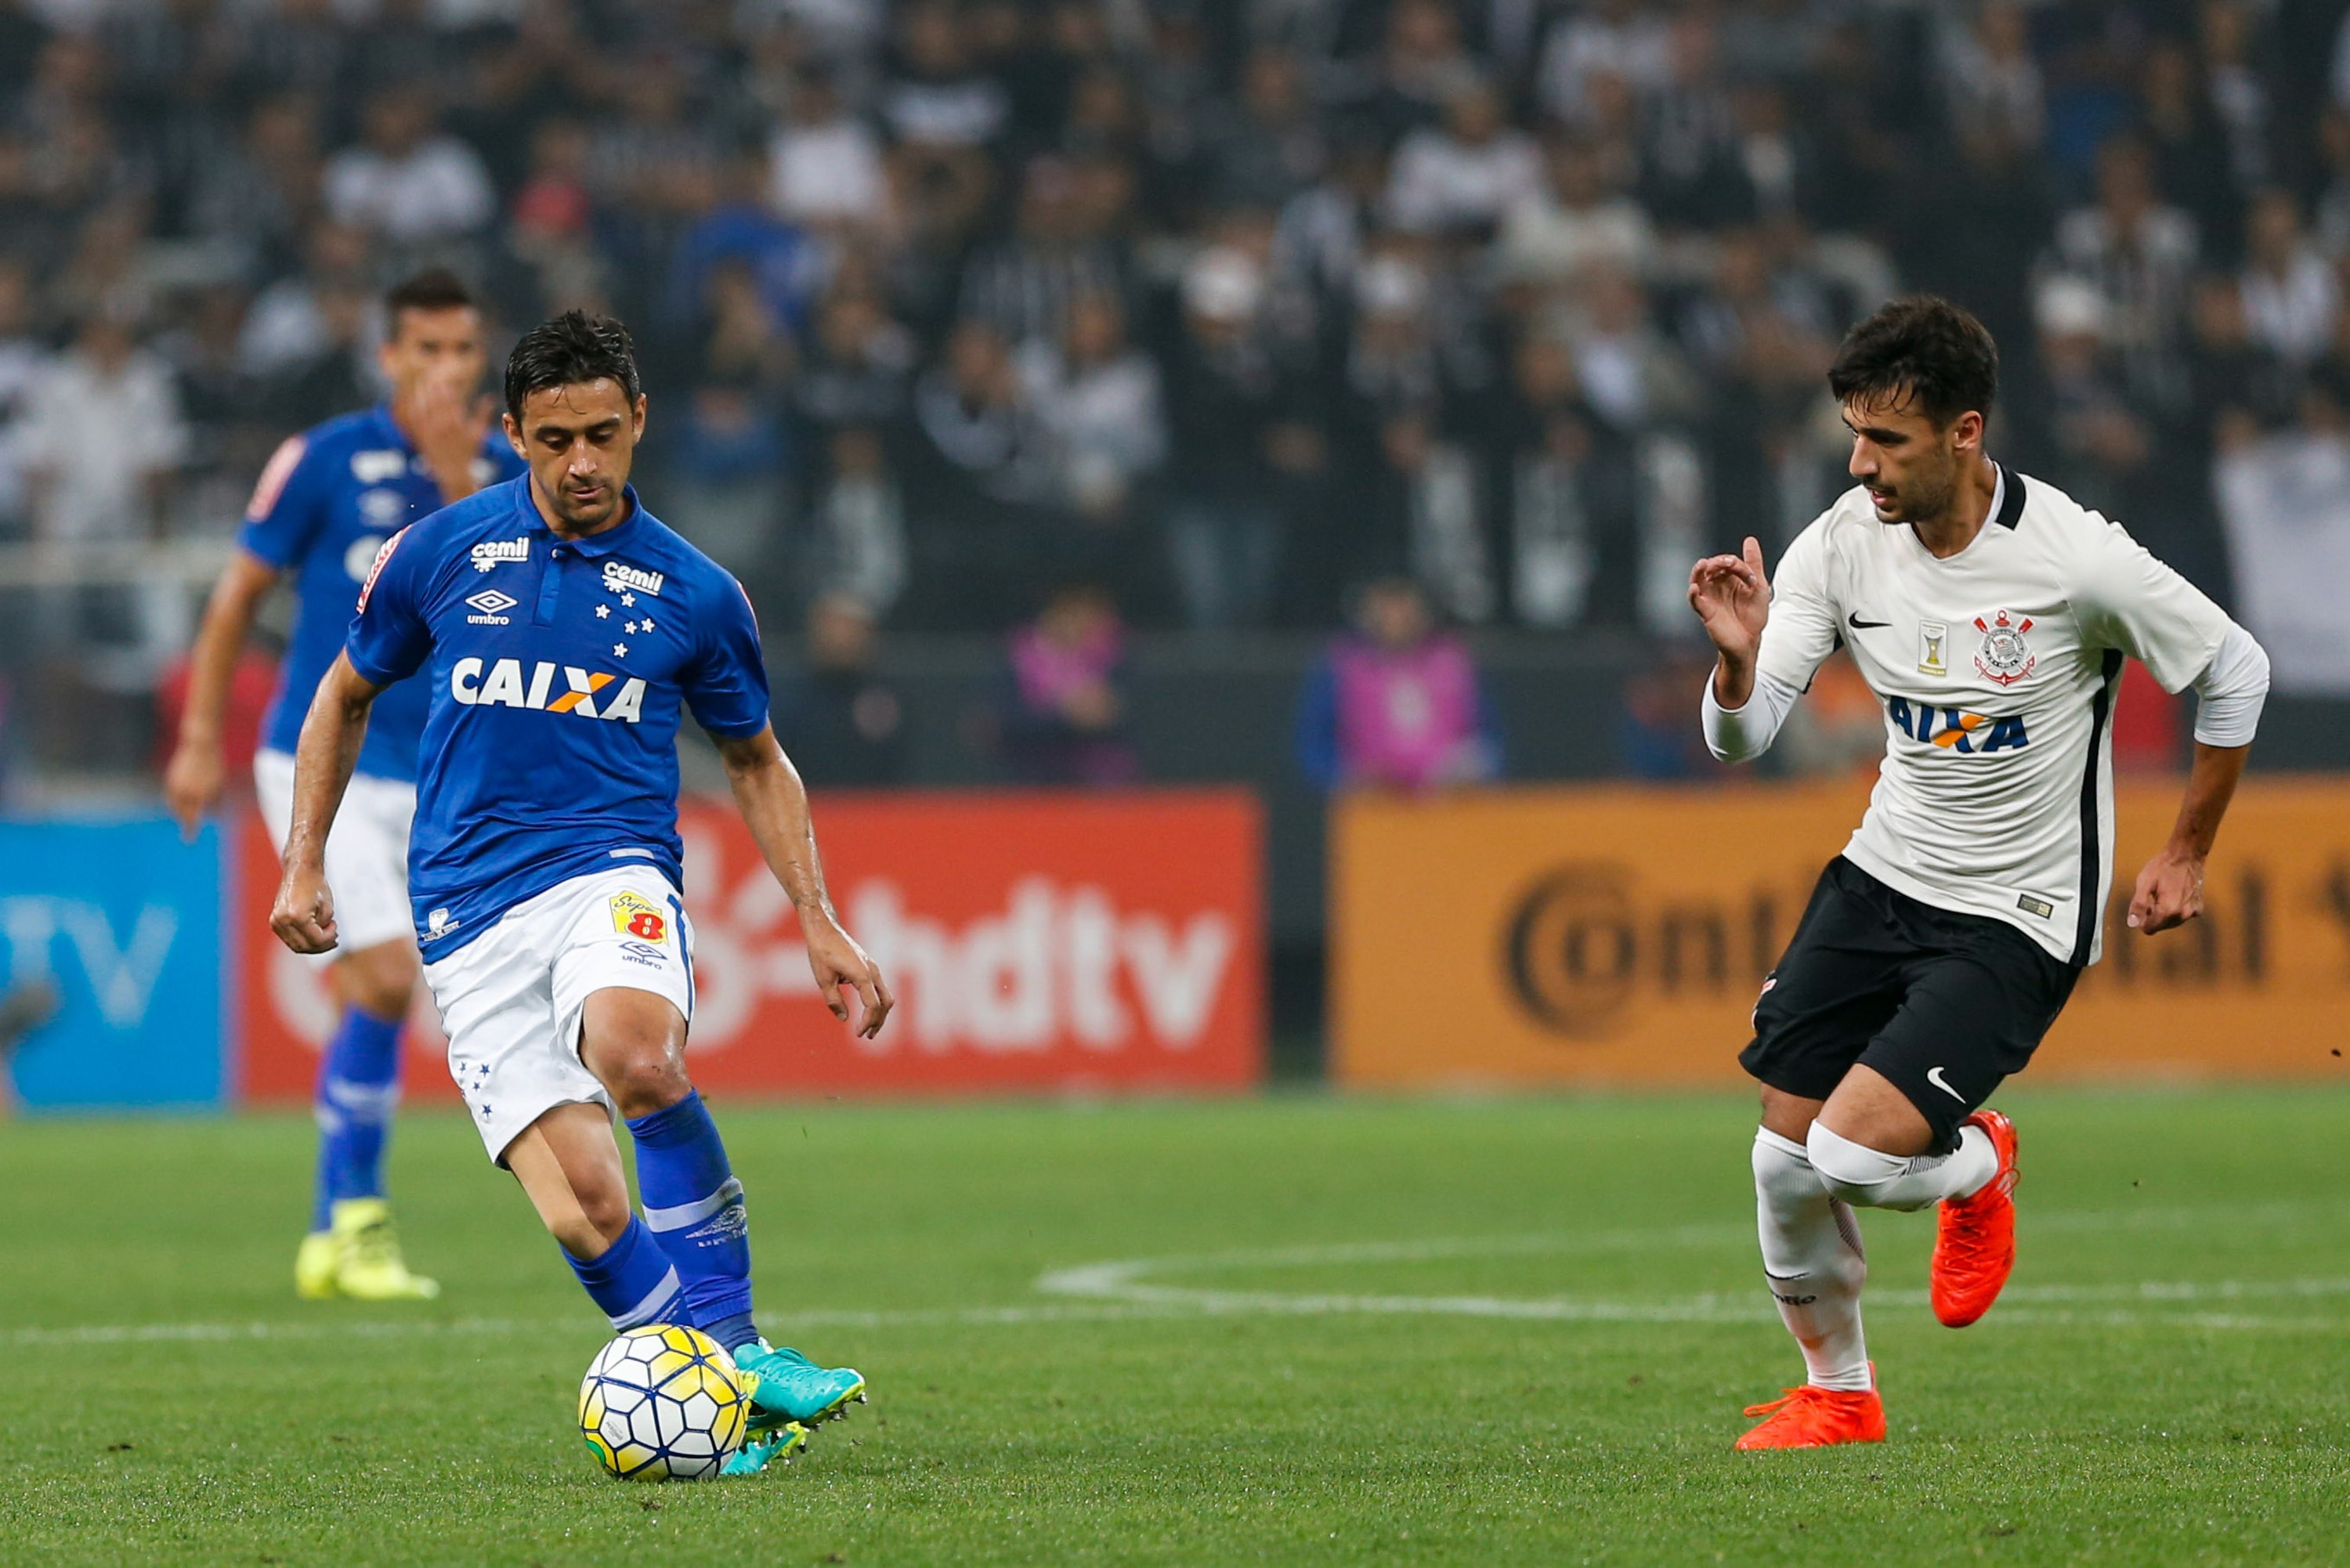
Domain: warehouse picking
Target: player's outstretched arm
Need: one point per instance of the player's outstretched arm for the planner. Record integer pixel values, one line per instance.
(304, 915)
(2169, 890)
(774, 802)
(1732, 598)
(197, 771)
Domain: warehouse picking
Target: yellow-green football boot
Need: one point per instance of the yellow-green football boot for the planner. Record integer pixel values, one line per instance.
(371, 1268)
(761, 1448)
(316, 1264)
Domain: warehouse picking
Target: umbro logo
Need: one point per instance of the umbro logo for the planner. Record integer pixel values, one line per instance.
(492, 606)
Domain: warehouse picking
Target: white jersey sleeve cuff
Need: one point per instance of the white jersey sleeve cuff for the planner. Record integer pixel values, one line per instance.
(2230, 692)
(1735, 735)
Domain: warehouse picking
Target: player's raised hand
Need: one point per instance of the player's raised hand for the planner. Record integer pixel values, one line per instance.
(1733, 597)
(448, 425)
(193, 780)
(304, 915)
(2170, 892)
(839, 962)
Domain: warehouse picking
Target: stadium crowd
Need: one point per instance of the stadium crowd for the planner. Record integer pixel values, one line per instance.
(1221, 306)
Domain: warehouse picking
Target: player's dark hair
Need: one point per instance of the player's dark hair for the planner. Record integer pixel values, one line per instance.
(568, 350)
(434, 288)
(1922, 350)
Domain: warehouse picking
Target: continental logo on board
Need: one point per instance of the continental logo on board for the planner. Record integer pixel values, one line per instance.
(1586, 943)
(1586, 940)
(1612, 934)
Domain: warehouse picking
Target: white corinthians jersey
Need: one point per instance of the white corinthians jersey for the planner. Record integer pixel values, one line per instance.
(1997, 670)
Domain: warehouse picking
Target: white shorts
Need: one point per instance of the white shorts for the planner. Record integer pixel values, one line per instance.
(511, 999)
(366, 851)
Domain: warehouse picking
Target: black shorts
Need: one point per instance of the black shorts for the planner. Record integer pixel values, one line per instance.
(1943, 1005)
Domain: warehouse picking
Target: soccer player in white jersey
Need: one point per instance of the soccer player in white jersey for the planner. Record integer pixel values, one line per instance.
(561, 630)
(1990, 616)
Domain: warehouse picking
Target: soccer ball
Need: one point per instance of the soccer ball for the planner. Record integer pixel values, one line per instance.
(662, 1403)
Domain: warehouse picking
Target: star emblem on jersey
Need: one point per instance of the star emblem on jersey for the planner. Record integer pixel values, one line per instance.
(603, 612)
(620, 650)
(2004, 656)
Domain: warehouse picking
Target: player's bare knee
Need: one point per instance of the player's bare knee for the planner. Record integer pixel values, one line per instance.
(643, 1077)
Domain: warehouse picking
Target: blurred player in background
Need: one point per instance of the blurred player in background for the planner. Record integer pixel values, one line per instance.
(1991, 614)
(563, 630)
(325, 505)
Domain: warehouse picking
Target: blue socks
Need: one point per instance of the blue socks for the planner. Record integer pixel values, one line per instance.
(358, 1085)
(633, 1282)
(694, 1206)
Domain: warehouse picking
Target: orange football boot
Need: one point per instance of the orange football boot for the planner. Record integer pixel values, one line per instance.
(1816, 1417)
(1975, 1249)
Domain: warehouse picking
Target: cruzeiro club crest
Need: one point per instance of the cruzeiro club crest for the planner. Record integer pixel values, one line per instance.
(2004, 656)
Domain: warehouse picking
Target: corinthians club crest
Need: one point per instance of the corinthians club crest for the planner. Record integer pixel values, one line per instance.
(2004, 656)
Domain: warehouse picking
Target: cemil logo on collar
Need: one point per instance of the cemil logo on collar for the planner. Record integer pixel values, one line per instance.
(493, 552)
(621, 577)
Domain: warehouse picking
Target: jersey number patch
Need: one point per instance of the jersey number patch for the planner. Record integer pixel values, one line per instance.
(634, 915)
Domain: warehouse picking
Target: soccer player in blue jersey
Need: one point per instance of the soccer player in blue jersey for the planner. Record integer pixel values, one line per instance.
(561, 631)
(324, 504)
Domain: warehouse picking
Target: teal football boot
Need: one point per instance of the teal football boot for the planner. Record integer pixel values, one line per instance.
(787, 1387)
(761, 1448)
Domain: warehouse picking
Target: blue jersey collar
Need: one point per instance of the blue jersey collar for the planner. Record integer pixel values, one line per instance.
(594, 546)
(390, 428)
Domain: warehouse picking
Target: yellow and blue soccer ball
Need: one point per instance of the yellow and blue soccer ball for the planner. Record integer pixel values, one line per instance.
(662, 1403)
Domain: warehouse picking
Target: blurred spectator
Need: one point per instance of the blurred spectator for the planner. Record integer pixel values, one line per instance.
(842, 724)
(1623, 39)
(2139, 253)
(859, 364)
(1063, 712)
(1652, 743)
(1575, 222)
(102, 436)
(1270, 145)
(1997, 104)
(1242, 435)
(1467, 175)
(1398, 704)
(859, 523)
(2290, 292)
(741, 231)
(1024, 284)
(408, 182)
(827, 163)
(2284, 498)
(1099, 400)
(24, 366)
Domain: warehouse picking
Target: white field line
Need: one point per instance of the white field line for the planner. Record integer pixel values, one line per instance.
(1121, 1291)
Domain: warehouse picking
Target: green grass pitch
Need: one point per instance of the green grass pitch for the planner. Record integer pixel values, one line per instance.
(1292, 1330)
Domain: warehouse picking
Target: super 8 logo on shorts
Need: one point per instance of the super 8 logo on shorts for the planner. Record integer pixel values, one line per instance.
(635, 915)
(478, 684)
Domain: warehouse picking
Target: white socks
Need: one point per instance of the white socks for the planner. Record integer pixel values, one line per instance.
(1860, 1175)
(1812, 1257)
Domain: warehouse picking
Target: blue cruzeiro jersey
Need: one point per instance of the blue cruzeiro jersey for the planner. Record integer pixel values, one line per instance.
(556, 672)
(324, 504)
